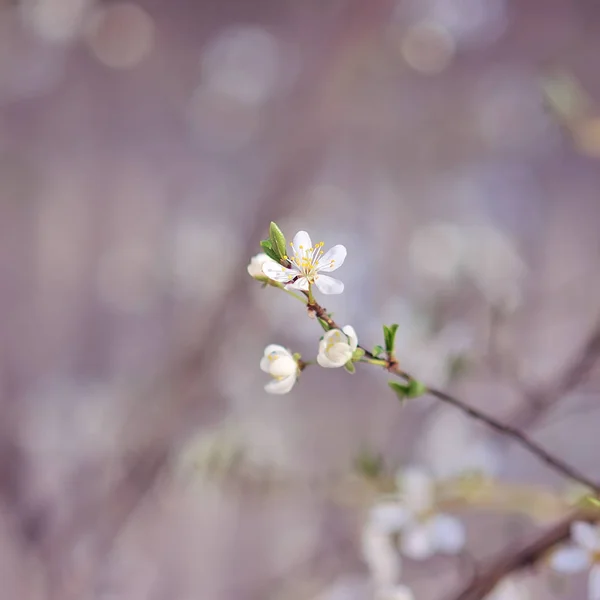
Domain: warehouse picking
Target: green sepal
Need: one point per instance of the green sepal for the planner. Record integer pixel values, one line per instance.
(323, 324)
(389, 336)
(378, 351)
(266, 246)
(296, 356)
(349, 366)
(358, 354)
(277, 240)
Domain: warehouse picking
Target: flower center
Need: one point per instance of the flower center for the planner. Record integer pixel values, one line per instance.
(281, 366)
(306, 260)
(336, 338)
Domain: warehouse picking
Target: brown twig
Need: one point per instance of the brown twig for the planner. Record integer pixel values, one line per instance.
(523, 557)
(508, 431)
(538, 403)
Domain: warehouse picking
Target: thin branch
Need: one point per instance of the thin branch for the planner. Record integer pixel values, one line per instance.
(505, 429)
(540, 402)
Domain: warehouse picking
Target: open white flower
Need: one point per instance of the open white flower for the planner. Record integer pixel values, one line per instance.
(423, 531)
(583, 553)
(256, 264)
(283, 368)
(307, 265)
(337, 347)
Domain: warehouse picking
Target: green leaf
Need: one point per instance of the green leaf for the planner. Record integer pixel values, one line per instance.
(266, 246)
(349, 366)
(277, 240)
(416, 388)
(389, 336)
(358, 354)
(378, 351)
(399, 389)
(593, 500)
(369, 464)
(412, 389)
(457, 366)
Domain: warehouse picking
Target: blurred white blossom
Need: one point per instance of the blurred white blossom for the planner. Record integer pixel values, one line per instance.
(583, 553)
(424, 532)
(396, 592)
(510, 588)
(283, 368)
(243, 63)
(494, 266)
(381, 556)
(337, 347)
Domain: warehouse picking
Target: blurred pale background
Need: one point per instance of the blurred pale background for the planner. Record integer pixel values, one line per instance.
(451, 145)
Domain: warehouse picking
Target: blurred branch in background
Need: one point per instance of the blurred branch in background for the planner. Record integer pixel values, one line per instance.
(144, 148)
(168, 402)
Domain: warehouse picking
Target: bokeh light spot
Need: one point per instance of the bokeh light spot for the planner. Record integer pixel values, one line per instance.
(428, 48)
(121, 35)
(243, 63)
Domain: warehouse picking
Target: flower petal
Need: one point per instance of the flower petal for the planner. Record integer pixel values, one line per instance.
(586, 535)
(329, 285)
(256, 263)
(265, 364)
(300, 284)
(417, 489)
(416, 542)
(276, 349)
(301, 243)
(388, 517)
(278, 272)
(397, 592)
(510, 589)
(383, 560)
(594, 583)
(283, 366)
(448, 534)
(340, 353)
(325, 361)
(281, 386)
(332, 259)
(352, 337)
(569, 559)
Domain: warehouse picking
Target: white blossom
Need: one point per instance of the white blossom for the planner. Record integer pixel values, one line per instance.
(381, 557)
(396, 592)
(283, 368)
(510, 588)
(337, 347)
(423, 531)
(307, 264)
(256, 264)
(583, 553)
